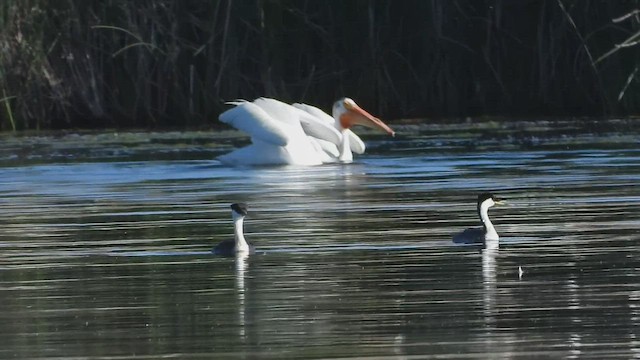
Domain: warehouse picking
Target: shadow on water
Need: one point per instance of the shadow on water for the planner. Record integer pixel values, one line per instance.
(105, 248)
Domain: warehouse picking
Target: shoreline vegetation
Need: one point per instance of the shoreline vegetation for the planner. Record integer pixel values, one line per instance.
(96, 64)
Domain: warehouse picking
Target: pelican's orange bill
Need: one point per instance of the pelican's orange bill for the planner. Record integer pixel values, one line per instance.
(356, 115)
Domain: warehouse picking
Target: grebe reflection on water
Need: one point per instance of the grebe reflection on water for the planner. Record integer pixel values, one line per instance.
(487, 234)
(239, 244)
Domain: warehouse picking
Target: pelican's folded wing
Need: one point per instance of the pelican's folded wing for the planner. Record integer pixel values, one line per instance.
(357, 145)
(279, 111)
(253, 120)
(319, 129)
(330, 149)
(317, 123)
(321, 115)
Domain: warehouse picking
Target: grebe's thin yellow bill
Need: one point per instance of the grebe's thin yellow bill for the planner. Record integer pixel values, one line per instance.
(238, 245)
(487, 234)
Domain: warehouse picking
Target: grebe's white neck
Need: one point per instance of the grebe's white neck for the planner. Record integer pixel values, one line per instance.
(241, 243)
(490, 233)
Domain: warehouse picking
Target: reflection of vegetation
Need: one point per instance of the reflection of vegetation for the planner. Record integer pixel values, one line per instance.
(89, 63)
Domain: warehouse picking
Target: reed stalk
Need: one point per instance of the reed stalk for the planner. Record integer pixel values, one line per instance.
(7, 106)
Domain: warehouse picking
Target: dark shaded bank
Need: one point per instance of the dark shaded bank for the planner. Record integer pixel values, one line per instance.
(158, 63)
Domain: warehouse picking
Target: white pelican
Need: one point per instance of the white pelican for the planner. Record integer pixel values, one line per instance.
(238, 245)
(297, 134)
(486, 235)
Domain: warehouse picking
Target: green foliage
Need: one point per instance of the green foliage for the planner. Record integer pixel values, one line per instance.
(159, 63)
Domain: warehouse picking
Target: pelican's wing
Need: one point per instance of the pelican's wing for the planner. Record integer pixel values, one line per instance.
(319, 114)
(256, 122)
(357, 145)
(317, 123)
(296, 117)
(318, 129)
(330, 149)
(279, 111)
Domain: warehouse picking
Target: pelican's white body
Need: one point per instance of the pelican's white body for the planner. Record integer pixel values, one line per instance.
(282, 134)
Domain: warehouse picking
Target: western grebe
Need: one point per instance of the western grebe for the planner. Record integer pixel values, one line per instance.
(238, 244)
(487, 234)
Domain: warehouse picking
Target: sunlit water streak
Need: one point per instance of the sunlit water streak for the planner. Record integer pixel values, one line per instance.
(106, 252)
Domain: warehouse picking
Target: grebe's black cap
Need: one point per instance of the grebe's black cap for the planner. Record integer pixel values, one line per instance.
(239, 208)
(484, 196)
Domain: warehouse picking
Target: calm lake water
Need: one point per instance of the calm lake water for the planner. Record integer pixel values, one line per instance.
(105, 246)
